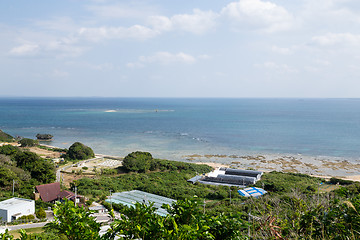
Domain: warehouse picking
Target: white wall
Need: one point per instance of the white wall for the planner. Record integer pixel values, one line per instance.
(20, 208)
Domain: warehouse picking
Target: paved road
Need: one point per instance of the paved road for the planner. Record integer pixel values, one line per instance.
(24, 226)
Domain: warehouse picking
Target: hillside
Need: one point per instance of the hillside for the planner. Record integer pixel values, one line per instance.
(4, 137)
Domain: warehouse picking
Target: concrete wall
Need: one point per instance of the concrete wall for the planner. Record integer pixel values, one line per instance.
(3, 215)
(17, 207)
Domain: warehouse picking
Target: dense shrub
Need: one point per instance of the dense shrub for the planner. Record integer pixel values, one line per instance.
(41, 214)
(137, 161)
(26, 217)
(79, 151)
(279, 182)
(9, 150)
(340, 181)
(27, 142)
(108, 171)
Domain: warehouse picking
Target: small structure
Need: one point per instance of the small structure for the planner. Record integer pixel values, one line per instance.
(98, 209)
(229, 177)
(252, 192)
(13, 208)
(129, 198)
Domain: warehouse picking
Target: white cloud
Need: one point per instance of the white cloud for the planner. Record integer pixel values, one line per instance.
(134, 32)
(64, 47)
(199, 22)
(330, 39)
(160, 23)
(167, 58)
(263, 15)
(24, 49)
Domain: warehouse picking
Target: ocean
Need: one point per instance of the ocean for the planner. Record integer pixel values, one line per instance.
(174, 128)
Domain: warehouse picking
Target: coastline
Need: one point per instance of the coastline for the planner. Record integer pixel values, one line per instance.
(317, 166)
(324, 167)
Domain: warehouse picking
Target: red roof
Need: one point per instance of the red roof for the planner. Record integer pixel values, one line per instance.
(66, 194)
(49, 192)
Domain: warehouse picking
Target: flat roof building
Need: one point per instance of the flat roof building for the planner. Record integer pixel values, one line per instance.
(229, 177)
(13, 208)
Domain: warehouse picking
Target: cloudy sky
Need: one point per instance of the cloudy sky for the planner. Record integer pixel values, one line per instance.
(161, 48)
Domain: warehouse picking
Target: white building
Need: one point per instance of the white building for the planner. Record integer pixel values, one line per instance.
(13, 208)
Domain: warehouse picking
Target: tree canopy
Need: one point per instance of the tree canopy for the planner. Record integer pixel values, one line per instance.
(79, 151)
(137, 161)
(27, 142)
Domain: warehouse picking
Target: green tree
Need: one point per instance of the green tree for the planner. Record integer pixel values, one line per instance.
(74, 222)
(27, 142)
(42, 170)
(137, 161)
(41, 214)
(184, 221)
(79, 151)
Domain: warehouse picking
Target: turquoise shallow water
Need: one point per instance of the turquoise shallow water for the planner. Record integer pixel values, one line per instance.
(171, 128)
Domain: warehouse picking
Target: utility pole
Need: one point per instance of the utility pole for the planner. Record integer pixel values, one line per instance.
(110, 200)
(13, 186)
(75, 195)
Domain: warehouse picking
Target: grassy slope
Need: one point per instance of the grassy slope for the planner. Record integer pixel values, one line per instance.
(4, 137)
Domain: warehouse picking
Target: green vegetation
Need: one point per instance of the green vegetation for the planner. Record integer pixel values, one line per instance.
(280, 183)
(27, 142)
(79, 151)
(137, 161)
(25, 169)
(184, 221)
(74, 223)
(170, 181)
(40, 213)
(4, 137)
(294, 208)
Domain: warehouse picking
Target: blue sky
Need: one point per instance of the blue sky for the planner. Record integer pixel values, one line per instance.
(205, 48)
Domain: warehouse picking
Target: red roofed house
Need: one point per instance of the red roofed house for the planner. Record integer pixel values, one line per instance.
(52, 192)
(48, 192)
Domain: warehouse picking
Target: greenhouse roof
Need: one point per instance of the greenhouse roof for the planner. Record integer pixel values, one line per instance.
(129, 199)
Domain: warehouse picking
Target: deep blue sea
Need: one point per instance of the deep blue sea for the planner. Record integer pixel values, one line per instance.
(171, 128)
